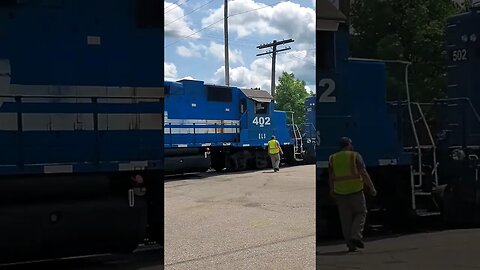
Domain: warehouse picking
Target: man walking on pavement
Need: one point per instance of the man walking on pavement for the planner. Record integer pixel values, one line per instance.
(274, 151)
(347, 176)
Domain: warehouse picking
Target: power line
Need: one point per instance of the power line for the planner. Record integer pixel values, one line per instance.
(304, 59)
(190, 12)
(278, 2)
(176, 5)
(183, 37)
(165, 8)
(210, 25)
(233, 43)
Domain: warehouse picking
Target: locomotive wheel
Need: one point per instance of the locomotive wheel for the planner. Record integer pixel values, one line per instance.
(261, 161)
(218, 167)
(231, 164)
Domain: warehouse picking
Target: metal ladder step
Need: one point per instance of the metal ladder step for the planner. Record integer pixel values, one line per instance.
(426, 213)
(422, 193)
(374, 211)
(375, 226)
(414, 148)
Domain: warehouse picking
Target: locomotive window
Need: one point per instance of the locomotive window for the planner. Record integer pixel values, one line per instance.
(4, 3)
(261, 107)
(219, 93)
(325, 49)
(44, 3)
(149, 13)
(243, 105)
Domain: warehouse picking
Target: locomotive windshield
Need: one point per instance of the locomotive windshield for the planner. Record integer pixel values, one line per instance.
(261, 107)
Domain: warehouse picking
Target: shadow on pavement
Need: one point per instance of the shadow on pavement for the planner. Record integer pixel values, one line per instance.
(333, 253)
(204, 175)
(136, 261)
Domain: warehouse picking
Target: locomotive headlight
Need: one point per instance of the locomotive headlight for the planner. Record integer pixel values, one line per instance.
(473, 37)
(464, 38)
(458, 154)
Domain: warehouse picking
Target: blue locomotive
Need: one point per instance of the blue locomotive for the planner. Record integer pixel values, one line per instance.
(309, 131)
(423, 158)
(81, 111)
(213, 126)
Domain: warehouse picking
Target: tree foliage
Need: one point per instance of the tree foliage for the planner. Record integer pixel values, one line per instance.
(290, 96)
(405, 30)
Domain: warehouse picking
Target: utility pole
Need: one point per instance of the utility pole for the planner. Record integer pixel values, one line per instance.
(274, 52)
(225, 27)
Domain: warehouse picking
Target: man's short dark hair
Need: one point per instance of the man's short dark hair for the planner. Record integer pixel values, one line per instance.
(344, 142)
(273, 136)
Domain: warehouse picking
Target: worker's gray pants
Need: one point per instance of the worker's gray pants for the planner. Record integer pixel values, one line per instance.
(353, 212)
(275, 160)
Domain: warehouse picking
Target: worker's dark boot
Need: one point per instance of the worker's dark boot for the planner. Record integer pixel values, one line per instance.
(351, 246)
(358, 243)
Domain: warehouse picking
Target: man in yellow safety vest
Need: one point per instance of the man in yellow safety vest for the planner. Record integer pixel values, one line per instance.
(274, 151)
(347, 176)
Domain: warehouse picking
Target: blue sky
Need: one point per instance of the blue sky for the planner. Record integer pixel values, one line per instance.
(194, 40)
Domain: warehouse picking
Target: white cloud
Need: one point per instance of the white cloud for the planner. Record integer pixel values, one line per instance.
(170, 71)
(281, 21)
(185, 52)
(176, 25)
(192, 50)
(258, 74)
(218, 50)
(286, 19)
(310, 88)
(214, 49)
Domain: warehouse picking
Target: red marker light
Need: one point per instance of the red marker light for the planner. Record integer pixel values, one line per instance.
(137, 179)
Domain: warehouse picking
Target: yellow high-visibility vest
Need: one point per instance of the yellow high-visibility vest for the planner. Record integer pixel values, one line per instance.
(273, 147)
(346, 179)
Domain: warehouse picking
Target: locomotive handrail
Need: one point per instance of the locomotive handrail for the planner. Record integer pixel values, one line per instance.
(193, 125)
(405, 102)
(241, 118)
(83, 97)
(379, 60)
(310, 131)
(432, 141)
(335, 116)
(464, 99)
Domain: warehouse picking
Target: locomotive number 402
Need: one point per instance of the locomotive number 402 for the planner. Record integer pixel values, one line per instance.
(261, 121)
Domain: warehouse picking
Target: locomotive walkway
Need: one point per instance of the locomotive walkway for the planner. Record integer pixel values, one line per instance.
(247, 220)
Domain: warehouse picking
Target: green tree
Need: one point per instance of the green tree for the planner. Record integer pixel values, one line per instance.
(290, 95)
(408, 30)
